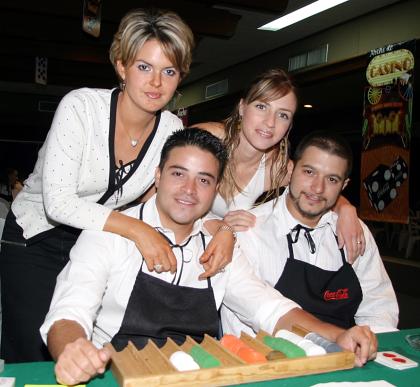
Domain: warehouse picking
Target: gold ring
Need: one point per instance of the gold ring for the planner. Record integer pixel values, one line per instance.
(359, 242)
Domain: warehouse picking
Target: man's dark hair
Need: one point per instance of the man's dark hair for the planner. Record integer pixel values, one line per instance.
(196, 137)
(329, 142)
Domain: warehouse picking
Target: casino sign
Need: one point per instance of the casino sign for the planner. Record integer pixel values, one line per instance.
(384, 69)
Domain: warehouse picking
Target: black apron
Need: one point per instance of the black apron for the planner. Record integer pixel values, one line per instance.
(332, 296)
(157, 310)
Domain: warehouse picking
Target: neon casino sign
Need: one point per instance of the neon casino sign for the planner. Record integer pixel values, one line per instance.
(385, 68)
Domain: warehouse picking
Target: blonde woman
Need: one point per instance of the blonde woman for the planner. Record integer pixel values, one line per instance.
(100, 154)
(256, 134)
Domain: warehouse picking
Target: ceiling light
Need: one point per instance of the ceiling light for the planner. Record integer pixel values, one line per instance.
(300, 14)
(307, 106)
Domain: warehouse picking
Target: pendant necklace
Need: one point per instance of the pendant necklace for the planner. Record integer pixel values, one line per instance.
(133, 141)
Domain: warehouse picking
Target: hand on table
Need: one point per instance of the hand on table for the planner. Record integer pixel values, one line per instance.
(360, 340)
(80, 361)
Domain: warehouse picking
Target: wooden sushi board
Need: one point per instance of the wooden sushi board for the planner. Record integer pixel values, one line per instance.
(151, 366)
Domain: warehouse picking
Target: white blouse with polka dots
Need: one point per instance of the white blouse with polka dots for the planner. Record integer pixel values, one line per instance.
(76, 166)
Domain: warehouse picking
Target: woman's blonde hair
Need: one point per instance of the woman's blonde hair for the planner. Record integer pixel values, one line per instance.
(269, 86)
(141, 25)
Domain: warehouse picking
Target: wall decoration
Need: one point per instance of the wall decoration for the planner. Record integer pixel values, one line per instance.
(387, 125)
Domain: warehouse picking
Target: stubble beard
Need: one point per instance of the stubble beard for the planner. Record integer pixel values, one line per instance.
(313, 216)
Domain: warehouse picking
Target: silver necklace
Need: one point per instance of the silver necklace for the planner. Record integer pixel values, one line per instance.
(133, 141)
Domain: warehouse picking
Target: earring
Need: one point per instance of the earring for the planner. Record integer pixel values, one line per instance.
(239, 123)
(122, 85)
(282, 146)
(284, 150)
(177, 96)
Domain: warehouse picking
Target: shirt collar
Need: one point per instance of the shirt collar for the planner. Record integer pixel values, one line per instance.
(152, 218)
(287, 222)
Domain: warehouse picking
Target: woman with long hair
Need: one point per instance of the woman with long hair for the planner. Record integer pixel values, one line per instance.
(256, 134)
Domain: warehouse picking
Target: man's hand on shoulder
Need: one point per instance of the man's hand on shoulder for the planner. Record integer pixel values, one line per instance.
(360, 340)
(80, 361)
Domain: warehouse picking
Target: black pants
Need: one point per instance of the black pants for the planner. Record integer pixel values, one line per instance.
(28, 277)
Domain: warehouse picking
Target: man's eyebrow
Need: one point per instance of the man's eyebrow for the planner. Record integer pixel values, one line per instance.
(330, 175)
(208, 174)
(177, 167)
(308, 166)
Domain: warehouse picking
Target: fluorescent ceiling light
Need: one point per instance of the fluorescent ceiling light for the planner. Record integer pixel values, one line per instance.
(300, 14)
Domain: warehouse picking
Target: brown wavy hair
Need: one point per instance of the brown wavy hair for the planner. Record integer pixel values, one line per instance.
(269, 86)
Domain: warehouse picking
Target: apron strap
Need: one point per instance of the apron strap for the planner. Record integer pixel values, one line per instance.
(309, 239)
(289, 245)
(343, 256)
(307, 233)
(203, 241)
(290, 240)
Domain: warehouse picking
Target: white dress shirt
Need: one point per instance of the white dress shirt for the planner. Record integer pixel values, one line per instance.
(73, 167)
(265, 246)
(95, 286)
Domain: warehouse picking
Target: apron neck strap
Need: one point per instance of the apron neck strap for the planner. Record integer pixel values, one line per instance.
(306, 232)
(173, 245)
(343, 256)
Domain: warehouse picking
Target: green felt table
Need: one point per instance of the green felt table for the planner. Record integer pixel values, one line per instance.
(43, 373)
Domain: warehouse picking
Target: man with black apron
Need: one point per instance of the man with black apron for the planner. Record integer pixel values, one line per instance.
(294, 248)
(107, 294)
